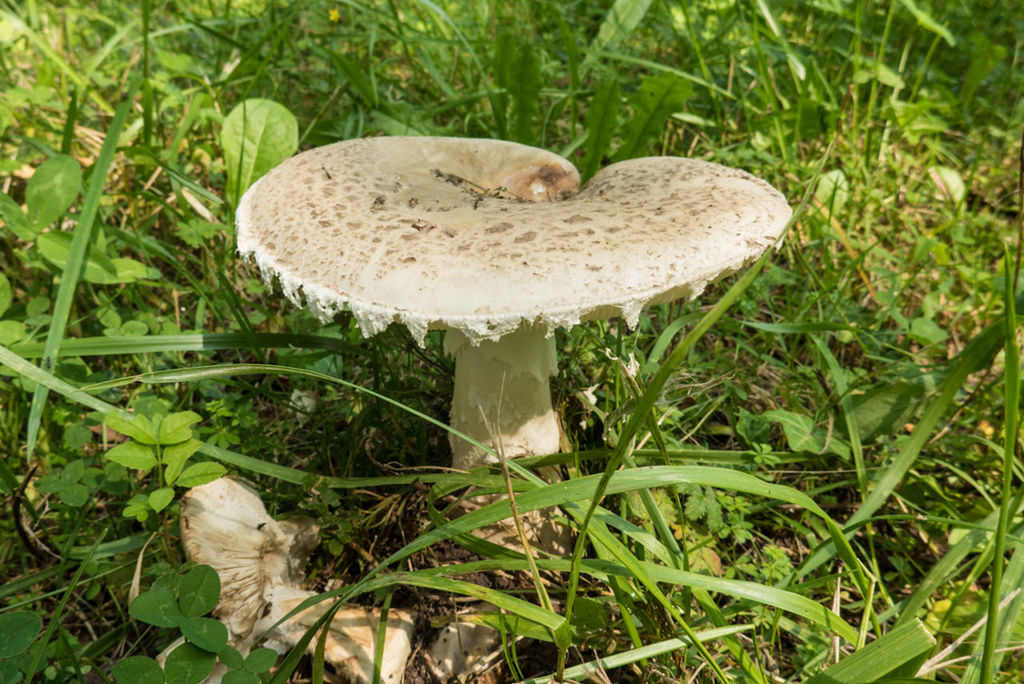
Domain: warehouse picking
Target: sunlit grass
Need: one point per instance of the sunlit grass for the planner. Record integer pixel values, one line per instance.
(841, 436)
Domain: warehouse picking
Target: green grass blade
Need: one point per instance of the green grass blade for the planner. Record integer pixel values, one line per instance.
(77, 257)
(356, 77)
(1006, 621)
(183, 342)
(1011, 406)
(976, 355)
(51, 382)
(600, 122)
(636, 655)
(585, 488)
(180, 178)
(946, 567)
(524, 609)
(760, 594)
(842, 389)
(880, 657)
(658, 97)
(524, 91)
(74, 75)
(57, 615)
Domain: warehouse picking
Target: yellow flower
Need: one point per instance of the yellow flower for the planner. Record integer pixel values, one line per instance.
(334, 16)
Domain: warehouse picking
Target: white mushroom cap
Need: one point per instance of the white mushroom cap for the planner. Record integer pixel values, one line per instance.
(225, 525)
(405, 229)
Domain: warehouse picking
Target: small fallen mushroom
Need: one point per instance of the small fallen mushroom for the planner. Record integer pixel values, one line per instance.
(462, 648)
(260, 563)
(493, 242)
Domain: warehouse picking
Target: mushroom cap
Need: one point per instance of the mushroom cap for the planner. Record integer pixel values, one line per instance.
(438, 233)
(225, 525)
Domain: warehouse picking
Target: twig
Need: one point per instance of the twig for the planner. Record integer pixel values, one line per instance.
(33, 542)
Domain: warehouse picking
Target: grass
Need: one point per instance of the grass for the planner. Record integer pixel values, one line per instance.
(813, 463)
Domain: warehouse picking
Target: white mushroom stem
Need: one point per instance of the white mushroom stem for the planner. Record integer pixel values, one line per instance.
(503, 395)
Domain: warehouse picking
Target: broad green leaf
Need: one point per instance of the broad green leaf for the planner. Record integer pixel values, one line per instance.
(926, 21)
(240, 677)
(73, 471)
(159, 498)
(156, 608)
(12, 331)
(188, 664)
(985, 56)
(52, 189)
(257, 136)
(137, 507)
(832, 190)
(206, 633)
(177, 427)
(199, 591)
(261, 660)
(74, 495)
(175, 457)
(927, 331)
(136, 669)
(132, 455)
(55, 247)
(9, 670)
(168, 584)
(17, 632)
(883, 74)
(884, 410)
(15, 219)
(201, 473)
(949, 182)
(230, 656)
(138, 427)
(658, 97)
(6, 295)
(799, 430)
(600, 122)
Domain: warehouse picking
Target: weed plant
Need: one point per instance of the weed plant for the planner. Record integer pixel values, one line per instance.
(810, 473)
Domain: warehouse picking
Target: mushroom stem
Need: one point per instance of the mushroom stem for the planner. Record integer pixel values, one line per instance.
(503, 395)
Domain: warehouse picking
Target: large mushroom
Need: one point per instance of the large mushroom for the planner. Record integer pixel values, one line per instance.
(494, 242)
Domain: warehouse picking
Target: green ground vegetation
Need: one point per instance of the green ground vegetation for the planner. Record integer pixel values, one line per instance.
(810, 473)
